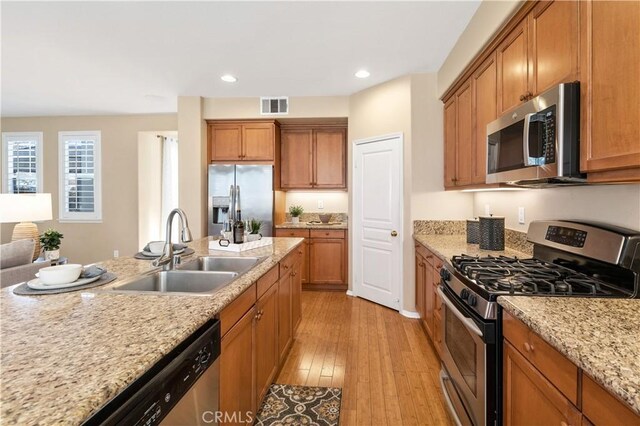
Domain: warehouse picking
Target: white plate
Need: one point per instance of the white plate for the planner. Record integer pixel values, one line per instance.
(36, 284)
(149, 254)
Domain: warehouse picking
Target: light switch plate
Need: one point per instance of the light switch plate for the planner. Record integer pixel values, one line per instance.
(487, 209)
(321, 204)
(116, 253)
(521, 215)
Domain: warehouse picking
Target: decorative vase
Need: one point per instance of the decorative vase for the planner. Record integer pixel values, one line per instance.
(52, 254)
(253, 237)
(295, 219)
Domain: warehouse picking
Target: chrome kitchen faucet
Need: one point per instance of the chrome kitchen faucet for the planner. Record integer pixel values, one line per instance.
(167, 260)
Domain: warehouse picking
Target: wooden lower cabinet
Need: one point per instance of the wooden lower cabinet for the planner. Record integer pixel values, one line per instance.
(426, 284)
(237, 367)
(326, 261)
(285, 324)
(296, 295)
(266, 346)
(529, 398)
(420, 266)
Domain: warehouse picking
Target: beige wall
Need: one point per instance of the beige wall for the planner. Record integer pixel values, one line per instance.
(90, 242)
(334, 202)
(486, 22)
(299, 107)
(614, 204)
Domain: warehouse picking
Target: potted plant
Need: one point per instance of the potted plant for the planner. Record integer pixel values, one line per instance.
(295, 212)
(50, 241)
(254, 230)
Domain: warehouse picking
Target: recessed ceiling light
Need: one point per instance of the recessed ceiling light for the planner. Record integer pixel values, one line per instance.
(363, 74)
(228, 78)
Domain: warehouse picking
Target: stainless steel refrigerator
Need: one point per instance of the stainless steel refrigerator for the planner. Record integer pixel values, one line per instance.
(256, 195)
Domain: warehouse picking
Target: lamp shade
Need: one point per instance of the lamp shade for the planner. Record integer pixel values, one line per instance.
(25, 207)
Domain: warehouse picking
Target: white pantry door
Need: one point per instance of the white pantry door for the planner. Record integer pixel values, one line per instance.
(377, 209)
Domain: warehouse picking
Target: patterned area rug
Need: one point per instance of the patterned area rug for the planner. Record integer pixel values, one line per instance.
(289, 405)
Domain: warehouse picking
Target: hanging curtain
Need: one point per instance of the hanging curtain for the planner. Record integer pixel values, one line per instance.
(169, 182)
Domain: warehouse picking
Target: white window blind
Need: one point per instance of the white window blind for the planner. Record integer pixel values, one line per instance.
(22, 158)
(80, 177)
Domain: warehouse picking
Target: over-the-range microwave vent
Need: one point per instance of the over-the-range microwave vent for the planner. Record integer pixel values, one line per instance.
(278, 105)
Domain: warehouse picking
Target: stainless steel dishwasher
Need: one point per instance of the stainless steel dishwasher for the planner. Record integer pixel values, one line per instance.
(182, 389)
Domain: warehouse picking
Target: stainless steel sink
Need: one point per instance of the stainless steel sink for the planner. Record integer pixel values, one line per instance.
(221, 263)
(192, 282)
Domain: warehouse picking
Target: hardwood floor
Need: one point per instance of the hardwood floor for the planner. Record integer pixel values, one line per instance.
(384, 362)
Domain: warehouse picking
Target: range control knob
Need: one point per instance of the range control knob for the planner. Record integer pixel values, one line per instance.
(444, 274)
(464, 293)
(471, 300)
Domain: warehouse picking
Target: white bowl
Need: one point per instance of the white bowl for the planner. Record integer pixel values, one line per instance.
(156, 247)
(61, 274)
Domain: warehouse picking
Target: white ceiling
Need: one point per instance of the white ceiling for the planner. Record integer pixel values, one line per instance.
(112, 58)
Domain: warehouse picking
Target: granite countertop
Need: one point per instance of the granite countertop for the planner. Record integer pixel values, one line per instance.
(447, 246)
(307, 225)
(64, 356)
(601, 336)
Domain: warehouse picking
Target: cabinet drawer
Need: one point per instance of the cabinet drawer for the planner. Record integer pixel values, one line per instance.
(267, 280)
(299, 233)
(236, 309)
(327, 233)
(426, 254)
(561, 372)
(286, 264)
(602, 408)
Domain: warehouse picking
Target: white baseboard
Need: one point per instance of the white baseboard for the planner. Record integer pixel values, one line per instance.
(351, 293)
(409, 314)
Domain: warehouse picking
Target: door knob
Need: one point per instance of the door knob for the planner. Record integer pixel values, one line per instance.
(394, 234)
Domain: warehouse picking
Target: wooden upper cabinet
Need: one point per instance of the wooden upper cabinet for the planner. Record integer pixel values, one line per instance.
(553, 32)
(235, 141)
(512, 58)
(610, 90)
(296, 162)
(464, 131)
(483, 86)
(450, 143)
(330, 158)
(225, 142)
(313, 158)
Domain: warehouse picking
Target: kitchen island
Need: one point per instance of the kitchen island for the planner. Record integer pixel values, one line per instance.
(64, 356)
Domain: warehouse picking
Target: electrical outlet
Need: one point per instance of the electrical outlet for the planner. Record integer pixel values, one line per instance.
(487, 209)
(321, 204)
(116, 253)
(521, 215)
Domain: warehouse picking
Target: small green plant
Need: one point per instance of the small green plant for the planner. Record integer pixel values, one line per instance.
(50, 239)
(296, 211)
(254, 226)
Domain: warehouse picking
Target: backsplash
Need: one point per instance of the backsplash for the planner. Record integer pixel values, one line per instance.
(513, 239)
(310, 217)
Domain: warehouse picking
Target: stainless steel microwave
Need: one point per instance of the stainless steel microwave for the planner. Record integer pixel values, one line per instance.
(538, 144)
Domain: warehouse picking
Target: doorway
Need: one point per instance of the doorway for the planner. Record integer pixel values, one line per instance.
(377, 222)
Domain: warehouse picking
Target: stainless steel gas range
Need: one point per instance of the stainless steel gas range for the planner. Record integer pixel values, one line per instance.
(570, 259)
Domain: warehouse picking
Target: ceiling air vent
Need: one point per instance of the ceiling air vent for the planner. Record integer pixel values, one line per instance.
(274, 105)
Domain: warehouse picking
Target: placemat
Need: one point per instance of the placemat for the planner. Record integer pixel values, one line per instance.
(24, 290)
(141, 256)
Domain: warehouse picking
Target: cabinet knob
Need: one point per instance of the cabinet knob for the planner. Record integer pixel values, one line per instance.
(563, 423)
(286, 266)
(522, 98)
(528, 347)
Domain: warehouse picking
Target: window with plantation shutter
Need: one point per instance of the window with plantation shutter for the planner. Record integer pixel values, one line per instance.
(80, 177)
(22, 162)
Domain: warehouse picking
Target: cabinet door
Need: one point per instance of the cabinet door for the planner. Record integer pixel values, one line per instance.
(284, 315)
(296, 296)
(529, 398)
(464, 150)
(484, 110)
(266, 345)
(512, 60)
(296, 170)
(304, 266)
(420, 265)
(553, 31)
(237, 367)
(329, 154)
(428, 300)
(225, 142)
(450, 143)
(610, 87)
(258, 142)
(326, 261)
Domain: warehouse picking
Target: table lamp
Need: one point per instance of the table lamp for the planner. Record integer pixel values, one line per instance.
(25, 209)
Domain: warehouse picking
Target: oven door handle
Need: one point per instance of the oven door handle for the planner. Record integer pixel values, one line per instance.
(468, 322)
